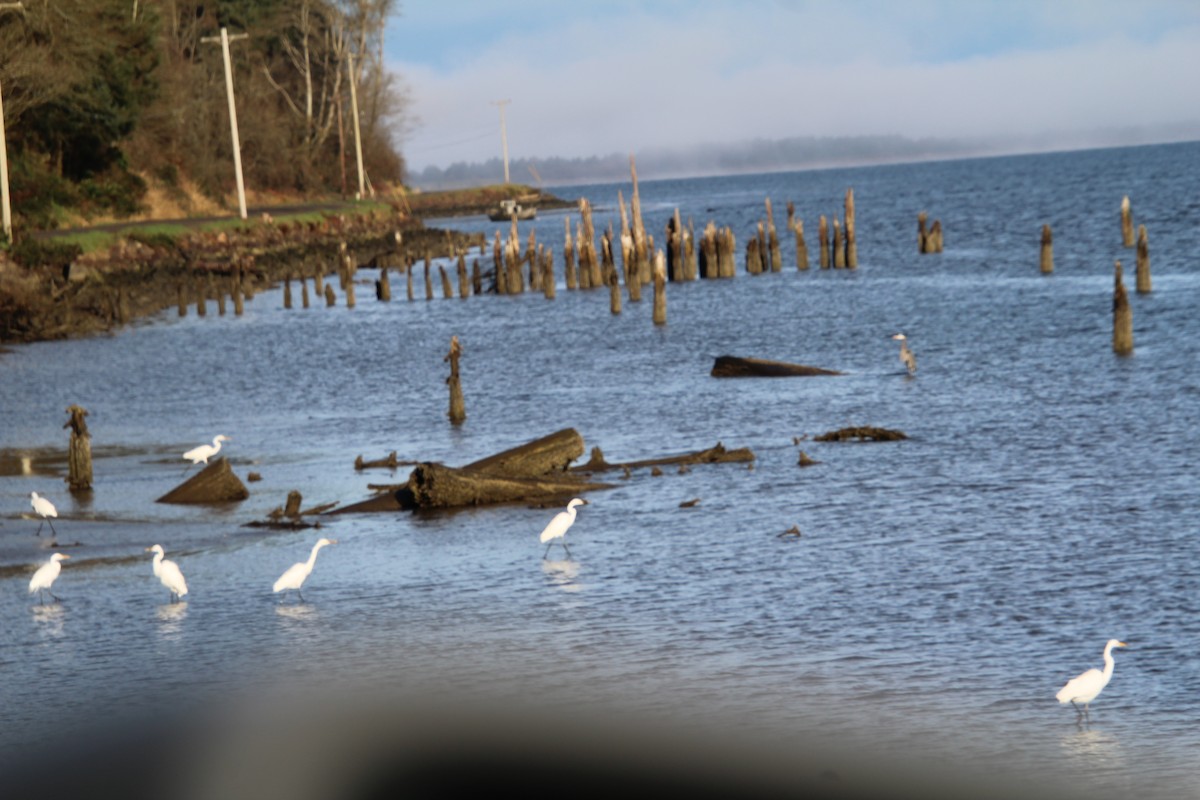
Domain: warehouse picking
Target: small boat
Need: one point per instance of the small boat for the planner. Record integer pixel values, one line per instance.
(508, 208)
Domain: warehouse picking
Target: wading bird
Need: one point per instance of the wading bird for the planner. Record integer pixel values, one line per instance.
(43, 579)
(201, 454)
(296, 573)
(906, 356)
(168, 573)
(558, 526)
(1087, 687)
(44, 509)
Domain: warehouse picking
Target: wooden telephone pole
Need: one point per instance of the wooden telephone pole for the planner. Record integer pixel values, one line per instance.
(503, 134)
(5, 208)
(357, 135)
(225, 39)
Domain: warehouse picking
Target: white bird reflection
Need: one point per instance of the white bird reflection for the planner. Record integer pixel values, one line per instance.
(297, 611)
(563, 574)
(1094, 747)
(49, 619)
(170, 617)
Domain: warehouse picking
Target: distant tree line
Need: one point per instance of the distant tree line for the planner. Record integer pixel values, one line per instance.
(759, 155)
(100, 95)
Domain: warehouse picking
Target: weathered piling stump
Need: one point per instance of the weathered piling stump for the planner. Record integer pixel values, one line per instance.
(216, 483)
(458, 410)
(753, 256)
(383, 286)
(330, 297)
(79, 451)
(839, 245)
(1047, 259)
(428, 279)
(239, 303)
(569, 257)
(318, 283)
(851, 238)
(548, 283)
(801, 248)
(350, 293)
(220, 305)
(464, 280)
(287, 292)
(614, 293)
(476, 278)
(922, 233)
(726, 245)
(660, 288)
(447, 287)
(292, 508)
(775, 258)
(201, 300)
(689, 250)
(1142, 275)
(1126, 222)
(1122, 316)
(823, 241)
(739, 367)
(408, 279)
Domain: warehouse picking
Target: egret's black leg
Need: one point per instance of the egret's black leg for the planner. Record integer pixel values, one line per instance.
(39, 530)
(567, 549)
(52, 594)
(547, 551)
(50, 522)
(300, 595)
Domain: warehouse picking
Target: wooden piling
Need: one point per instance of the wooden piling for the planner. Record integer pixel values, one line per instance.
(428, 279)
(922, 234)
(498, 264)
(408, 273)
(851, 240)
(458, 410)
(689, 250)
(330, 297)
(801, 247)
(476, 278)
(287, 292)
(823, 241)
(292, 509)
(726, 245)
(383, 288)
(79, 451)
(464, 280)
(447, 288)
(614, 293)
(1122, 317)
(754, 255)
(1126, 222)
(239, 305)
(350, 293)
(318, 283)
(660, 288)
(791, 216)
(641, 249)
(1142, 275)
(549, 287)
(772, 255)
(569, 257)
(1047, 250)
(935, 236)
(839, 245)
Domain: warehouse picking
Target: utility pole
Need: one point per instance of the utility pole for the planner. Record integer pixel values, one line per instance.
(357, 135)
(503, 134)
(224, 39)
(5, 208)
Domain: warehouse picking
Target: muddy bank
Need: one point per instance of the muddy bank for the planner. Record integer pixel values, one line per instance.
(466, 202)
(105, 289)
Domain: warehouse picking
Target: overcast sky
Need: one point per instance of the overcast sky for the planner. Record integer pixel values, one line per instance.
(593, 77)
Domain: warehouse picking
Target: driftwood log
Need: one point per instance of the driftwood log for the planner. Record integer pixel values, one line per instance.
(736, 367)
(390, 462)
(534, 471)
(216, 483)
(712, 455)
(863, 433)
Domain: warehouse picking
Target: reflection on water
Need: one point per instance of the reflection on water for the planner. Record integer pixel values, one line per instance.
(49, 619)
(170, 617)
(563, 574)
(298, 612)
(1093, 746)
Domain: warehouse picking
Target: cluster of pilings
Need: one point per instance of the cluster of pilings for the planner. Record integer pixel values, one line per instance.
(929, 239)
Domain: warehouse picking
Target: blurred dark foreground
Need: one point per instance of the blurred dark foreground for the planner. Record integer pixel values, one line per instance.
(369, 745)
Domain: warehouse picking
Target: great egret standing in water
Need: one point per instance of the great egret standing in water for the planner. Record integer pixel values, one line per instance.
(1087, 687)
(906, 356)
(204, 452)
(296, 573)
(558, 526)
(44, 509)
(44, 577)
(168, 573)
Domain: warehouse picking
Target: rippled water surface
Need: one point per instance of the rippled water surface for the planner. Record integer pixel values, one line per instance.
(944, 587)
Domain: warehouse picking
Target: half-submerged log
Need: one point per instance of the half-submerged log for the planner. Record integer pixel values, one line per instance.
(216, 483)
(716, 454)
(390, 462)
(737, 367)
(864, 433)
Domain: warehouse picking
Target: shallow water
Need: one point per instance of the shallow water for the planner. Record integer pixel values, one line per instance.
(943, 589)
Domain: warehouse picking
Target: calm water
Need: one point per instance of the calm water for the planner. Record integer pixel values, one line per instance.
(945, 587)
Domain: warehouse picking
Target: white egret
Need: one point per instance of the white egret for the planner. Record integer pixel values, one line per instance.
(44, 509)
(44, 578)
(201, 454)
(558, 526)
(906, 356)
(168, 573)
(296, 573)
(1085, 688)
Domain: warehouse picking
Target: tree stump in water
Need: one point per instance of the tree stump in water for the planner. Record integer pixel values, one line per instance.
(864, 433)
(216, 483)
(79, 453)
(292, 509)
(458, 411)
(736, 367)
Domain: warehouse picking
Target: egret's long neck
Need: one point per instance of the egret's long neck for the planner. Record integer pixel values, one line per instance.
(158, 557)
(312, 558)
(216, 443)
(1108, 663)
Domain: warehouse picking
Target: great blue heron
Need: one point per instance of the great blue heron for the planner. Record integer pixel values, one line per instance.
(1085, 688)
(906, 355)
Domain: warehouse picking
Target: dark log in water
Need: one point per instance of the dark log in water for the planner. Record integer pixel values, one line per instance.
(736, 367)
(716, 454)
(350, 293)
(216, 483)
(304, 302)
(1142, 275)
(428, 279)
(330, 297)
(383, 288)
(447, 287)
(390, 462)
(864, 433)
(1047, 260)
(552, 453)
(292, 508)
(1126, 222)
(458, 410)
(181, 299)
(935, 237)
(1122, 341)
(79, 452)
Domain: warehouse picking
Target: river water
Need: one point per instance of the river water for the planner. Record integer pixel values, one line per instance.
(943, 589)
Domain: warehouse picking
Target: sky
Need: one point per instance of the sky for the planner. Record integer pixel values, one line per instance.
(595, 77)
